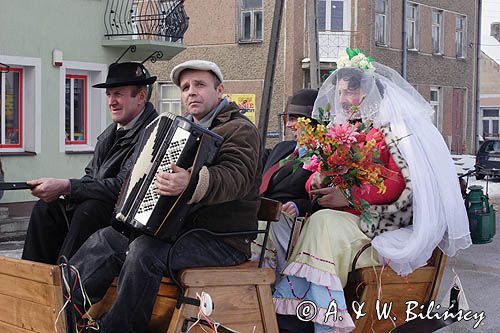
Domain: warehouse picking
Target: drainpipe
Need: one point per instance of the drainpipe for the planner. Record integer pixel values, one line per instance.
(478, 61)
(405, 49)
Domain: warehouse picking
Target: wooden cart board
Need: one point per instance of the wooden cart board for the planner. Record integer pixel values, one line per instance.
(420, 286)
(30, 297)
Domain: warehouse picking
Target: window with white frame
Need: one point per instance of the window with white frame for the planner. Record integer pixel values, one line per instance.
(76, 98)
(436, 104)
(82, 109)
(491, 118)
(250, 20)
(437, 31)
(330, 15)
(169, 98)
(11, 107)
(460, 36)
(20, 104)
(412, 26)
(381, 26)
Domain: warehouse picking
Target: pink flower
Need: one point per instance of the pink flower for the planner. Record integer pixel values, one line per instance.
(344, 133)
(313, 164)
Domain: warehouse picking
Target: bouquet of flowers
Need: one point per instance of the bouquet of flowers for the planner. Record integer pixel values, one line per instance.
(342, 153)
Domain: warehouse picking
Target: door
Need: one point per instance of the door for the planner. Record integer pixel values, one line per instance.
(458, 111)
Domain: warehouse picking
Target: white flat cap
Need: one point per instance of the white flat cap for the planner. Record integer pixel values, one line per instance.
(201, 65)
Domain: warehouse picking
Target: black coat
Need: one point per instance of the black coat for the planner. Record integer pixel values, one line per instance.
(105, 173)
(286, 184)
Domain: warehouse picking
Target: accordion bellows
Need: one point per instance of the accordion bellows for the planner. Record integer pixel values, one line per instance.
(167, 139)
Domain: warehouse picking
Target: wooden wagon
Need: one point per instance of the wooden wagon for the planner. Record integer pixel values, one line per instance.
(31, 295)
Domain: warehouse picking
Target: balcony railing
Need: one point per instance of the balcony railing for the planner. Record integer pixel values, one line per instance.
(331, 43)
(163, 20)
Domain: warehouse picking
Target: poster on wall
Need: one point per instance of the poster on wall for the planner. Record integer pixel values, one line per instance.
(246, 102)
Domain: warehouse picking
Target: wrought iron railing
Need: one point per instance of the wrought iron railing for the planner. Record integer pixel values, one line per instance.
(145, 19)
(331, 43)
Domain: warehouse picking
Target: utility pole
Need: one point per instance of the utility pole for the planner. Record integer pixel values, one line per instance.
(312, 36)
(267, 90)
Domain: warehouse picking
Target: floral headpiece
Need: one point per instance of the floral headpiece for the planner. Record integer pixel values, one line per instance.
(355, 58)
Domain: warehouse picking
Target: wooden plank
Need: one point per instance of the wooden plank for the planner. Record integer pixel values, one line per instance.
(30, 270)
(368, 275)
(227, 276)
(437, 282)
(162, 314)
(28, 290)
(162, 311)
(393, 295)
(235, 307)
(8, 328)
(267, 309)
(28, 315)
(269, 210)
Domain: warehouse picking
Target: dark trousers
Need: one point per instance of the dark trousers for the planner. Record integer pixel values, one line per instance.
(52, 234)
(140, 267)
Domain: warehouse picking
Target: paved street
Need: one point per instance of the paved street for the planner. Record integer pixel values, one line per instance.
(478, 268)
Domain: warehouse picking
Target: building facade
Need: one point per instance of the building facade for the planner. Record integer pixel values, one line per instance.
(438, 43)
(50, 116)
(488, 126)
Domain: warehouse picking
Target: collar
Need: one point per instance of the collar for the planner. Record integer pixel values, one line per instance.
(131, 123)
(206, 122)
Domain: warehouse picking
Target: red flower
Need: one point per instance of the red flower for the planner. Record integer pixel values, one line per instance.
(361, 137)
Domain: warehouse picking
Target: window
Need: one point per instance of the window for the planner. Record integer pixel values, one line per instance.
(437, 31)
(330, 15)
(381, 11)
(435, 102)
(412, 26)
(11, 113)
(490, 122)
(170, 98)
(83, 109)
(460, 36)
(250, 20)
(76, 110)
(20, 104)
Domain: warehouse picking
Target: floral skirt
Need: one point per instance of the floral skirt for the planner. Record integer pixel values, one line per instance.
(318, 268)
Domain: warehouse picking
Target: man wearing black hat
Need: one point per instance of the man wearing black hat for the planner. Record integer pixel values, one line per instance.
(226, 199)
(60, 226)
(280, 182)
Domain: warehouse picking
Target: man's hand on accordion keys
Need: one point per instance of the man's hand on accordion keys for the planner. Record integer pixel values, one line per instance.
(172, 183)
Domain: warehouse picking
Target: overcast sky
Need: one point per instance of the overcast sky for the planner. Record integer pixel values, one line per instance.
(491, 13)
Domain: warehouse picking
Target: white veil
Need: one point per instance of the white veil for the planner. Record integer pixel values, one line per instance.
(439, 214)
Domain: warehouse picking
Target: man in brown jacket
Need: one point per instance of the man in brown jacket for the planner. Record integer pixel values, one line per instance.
(225, 199)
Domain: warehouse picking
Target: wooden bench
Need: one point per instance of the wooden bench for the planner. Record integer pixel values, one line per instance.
(31, 295)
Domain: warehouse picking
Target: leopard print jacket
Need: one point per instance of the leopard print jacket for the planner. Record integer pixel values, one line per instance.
(399, 213)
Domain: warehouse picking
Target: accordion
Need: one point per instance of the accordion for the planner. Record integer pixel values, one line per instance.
(167, 139)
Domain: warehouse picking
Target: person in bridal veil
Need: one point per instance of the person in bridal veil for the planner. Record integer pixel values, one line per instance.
(422, 208)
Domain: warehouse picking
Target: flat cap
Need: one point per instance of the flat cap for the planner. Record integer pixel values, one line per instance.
(202, 65)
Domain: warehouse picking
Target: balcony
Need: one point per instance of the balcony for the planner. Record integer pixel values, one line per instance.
(150, 25)
(331, 43)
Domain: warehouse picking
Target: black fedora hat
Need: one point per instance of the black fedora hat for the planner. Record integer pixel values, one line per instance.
(126, 74)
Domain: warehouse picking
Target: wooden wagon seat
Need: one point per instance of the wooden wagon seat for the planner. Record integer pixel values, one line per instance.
(363, 284)
(241, 294)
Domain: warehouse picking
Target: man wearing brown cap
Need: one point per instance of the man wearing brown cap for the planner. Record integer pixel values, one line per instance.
(60, 226)
(226, 199)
